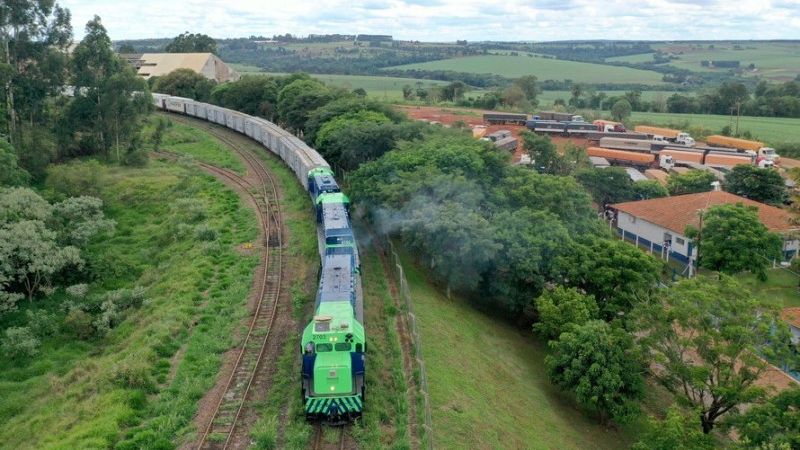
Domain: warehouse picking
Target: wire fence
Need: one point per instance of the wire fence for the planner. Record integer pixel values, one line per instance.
(405, 294)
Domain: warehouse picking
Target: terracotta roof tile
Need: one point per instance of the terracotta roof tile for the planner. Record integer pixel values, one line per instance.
(676, 212)
(791, 316)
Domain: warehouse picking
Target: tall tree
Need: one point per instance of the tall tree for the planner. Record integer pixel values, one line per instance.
(705, 338)
(543, 153)
(185, 83)
(609, 185)
(34, 36)
(529, 87)
(772, 425)
(761, 185)
(298, 99)
(560, 309)
(691, 182)
(601, 365)
(109, 98)
(621, 110)
(677, 431)
(192, 43)
(733, 239)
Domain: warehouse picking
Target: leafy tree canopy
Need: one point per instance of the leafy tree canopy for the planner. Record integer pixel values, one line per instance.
(192, 43)
(733, 240)
(773, 424)
(185, 83)
(690, 183)
(761, 185)
(601, 365)
(678, 431)
(706, 336)
(562, 308)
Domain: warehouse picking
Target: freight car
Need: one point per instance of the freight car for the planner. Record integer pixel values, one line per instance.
(505, 118)
(334, 343)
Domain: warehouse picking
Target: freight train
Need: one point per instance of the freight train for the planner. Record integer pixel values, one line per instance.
(334, 343)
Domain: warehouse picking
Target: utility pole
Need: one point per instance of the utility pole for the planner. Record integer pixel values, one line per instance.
(738, 111)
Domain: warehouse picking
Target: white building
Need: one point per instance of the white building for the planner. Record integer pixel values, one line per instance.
(659, 225)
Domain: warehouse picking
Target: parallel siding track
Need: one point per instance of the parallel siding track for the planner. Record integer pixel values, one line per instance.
(251, 374)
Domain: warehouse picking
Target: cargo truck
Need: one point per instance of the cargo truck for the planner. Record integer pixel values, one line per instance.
(560, 116)
(505, 118)
(607, 126)
(632, 158)
(755, 147)
(626, 144)
(667, 134)
(714, 157)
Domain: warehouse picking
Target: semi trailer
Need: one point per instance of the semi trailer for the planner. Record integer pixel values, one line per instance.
(560, 116)
(505, 118)
(754, 147)
(666, 134)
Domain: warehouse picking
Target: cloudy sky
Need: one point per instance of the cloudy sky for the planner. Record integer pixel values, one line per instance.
(448, 20)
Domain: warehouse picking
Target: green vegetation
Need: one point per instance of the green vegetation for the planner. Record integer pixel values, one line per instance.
(775, 61)
(543, 68)
(547, 98)
(187, 140)
(493, 392)
(93, 392)
(773, 130)
(780, 287)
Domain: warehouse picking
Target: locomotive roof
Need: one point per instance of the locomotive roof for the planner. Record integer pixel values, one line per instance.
(336, 281)
(334, 216)
(325, 181)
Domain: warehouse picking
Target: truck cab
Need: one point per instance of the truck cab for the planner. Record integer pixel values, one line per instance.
(685, 139)
(769, 154)
(577, 119)
(660, 139)
(666, 162)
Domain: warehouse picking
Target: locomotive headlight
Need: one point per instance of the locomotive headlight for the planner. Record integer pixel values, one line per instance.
(333, 388)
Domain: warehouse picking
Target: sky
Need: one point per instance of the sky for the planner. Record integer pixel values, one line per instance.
(448, 20)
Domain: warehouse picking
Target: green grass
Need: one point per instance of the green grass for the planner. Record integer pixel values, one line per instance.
(388, 88)
(781, 286)
(638, 58)
(488, 383)
(777, 61)
(93, 394)
(546, 98)
(773, 130)
(202, 146)
(543, 68)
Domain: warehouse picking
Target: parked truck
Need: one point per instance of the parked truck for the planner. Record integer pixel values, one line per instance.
(505, 118)
(666, 134)
(608, 126)
(632, 158)
(626, 144)
(756, 148)
(712, 157)
(560, 116)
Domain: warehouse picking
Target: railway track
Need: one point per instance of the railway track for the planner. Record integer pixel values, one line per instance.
(345, 440)
(226, 429)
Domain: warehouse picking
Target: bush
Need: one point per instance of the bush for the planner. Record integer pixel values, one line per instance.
(204, 232)
(562, 308)
(42, 323)
(133, 374)
(79, 323)
(20, 342)
(191, 210)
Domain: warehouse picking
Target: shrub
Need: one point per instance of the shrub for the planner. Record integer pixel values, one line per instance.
(204, 232)
(79, 323)
(42, 323)
(20, 342)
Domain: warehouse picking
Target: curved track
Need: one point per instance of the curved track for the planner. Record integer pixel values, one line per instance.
(226, 430)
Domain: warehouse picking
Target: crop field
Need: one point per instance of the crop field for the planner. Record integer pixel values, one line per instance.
(547, 98)
(488, 383)
(773, 130)
(543, 68)
(390, 88)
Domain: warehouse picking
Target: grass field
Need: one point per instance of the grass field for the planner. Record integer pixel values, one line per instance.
(781, 286)
(546, 98)
(91, 394)
(778, 61)
(488, 383)
(389, 88)
(543, 68)
(773, 130)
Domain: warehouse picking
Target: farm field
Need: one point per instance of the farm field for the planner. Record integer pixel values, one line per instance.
(390, 88)
(546, 98)
(488, 383)
(543, 68)
(773, 130)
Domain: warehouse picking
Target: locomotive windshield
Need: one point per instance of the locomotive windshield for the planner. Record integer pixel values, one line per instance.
(322, 348)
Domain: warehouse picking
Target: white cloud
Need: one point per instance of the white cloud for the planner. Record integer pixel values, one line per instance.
(448, 20)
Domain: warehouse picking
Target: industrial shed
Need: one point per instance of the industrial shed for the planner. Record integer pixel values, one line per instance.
(158, 64)
(659, 225)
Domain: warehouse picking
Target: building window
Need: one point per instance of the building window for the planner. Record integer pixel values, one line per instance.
(679, 241)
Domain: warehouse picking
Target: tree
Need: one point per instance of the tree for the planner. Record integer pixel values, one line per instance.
(704, 338)
(34, 36)
(607, 186)
(192, 43)
(298, 99)
(761, 185)
(732, 239)
(678, 431)
(514, 96)
(772, 425)
(11, 174)
(110, 99)
(690, 183)
(408, 92)
(601, 365)
(529, 87)
(621, 110)
(615, 273)
(254, 95)
(645, 190)
(126, 49)
(185, 83)
(543, 153)
(560, 309)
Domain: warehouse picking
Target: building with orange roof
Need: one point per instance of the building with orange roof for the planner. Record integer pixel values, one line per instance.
(659, 224)
(792, 317)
